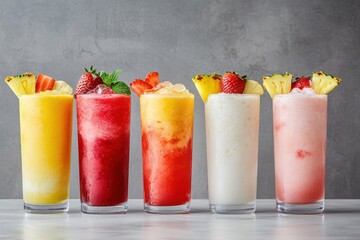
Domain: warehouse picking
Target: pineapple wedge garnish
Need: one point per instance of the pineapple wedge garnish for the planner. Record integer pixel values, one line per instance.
(207, 84)
(253, 87)
(323, 83)
(62, 87)
(277, 83)
(22, 84)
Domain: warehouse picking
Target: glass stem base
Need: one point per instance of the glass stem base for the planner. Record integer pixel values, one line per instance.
(184, 208)
(46, 208)
(233, 208)
(121, 208)
(310, 208)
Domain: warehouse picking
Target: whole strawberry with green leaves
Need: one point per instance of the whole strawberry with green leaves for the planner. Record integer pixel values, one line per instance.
(91, 78)
(231, 82)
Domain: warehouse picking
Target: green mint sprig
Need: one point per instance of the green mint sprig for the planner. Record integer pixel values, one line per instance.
(111, 80)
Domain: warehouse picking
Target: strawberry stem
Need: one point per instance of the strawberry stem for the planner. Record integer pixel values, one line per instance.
(91, 70)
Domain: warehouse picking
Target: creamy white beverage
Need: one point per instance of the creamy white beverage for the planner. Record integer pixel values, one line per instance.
(232, 139)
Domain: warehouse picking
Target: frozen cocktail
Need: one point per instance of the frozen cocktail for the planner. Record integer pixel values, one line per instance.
(300, 122)
(167, 113)
(232, 112)
(103, 118)
(45, 128)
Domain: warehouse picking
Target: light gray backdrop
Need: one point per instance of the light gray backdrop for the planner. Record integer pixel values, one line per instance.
(180, 39)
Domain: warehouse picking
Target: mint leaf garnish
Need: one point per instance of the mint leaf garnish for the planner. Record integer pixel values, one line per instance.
(113, 77)
(105, 78)
(120, 88)
(111, 80)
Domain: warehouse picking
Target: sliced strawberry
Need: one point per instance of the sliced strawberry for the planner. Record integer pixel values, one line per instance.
(152, 78)
(87, 82)
(139, 86)
(302, 82)
(232, 83)
(44, 83)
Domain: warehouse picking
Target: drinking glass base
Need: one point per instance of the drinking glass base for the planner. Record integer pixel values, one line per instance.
(121, 208)
(46, 208)
(184, 208)
(233, 209)
(310, 208)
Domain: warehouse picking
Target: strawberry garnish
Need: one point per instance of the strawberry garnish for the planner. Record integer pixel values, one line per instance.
(44, 83)
(139, 86)
(88, 81)
(152, 78)
(232, 83)
(302, 82)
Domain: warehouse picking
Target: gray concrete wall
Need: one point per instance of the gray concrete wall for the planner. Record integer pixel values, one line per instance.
(180, 39)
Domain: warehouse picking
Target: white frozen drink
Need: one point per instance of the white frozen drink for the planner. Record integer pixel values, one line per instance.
(232, 139)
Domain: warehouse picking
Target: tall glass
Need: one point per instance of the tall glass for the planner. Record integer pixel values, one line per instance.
(300, 122)
(232, 140)
(167, 130)
(45, 126)
(104, 138)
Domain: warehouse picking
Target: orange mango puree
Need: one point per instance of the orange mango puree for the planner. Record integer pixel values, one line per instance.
(45, 126)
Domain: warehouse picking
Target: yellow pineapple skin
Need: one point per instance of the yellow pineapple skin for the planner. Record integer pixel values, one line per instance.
(277, 83)
(323, 83)
(207, 84)
(253, 87)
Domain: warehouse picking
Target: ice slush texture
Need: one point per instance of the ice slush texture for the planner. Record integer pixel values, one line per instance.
(167, 127)
(104, 138)
(300, 147)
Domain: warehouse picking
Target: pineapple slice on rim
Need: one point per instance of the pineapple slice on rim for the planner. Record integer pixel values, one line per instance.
(323, 83)
(62, 87)
(278, 83)
(253, 87)
(22, 84)
(207, 84)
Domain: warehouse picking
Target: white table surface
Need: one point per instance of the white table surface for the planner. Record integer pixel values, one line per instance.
(341, 220)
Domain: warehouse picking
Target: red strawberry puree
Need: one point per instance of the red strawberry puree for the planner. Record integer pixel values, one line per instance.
(169, 181)
(104, 134)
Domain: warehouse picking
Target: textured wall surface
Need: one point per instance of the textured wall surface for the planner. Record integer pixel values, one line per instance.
(180, 39)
